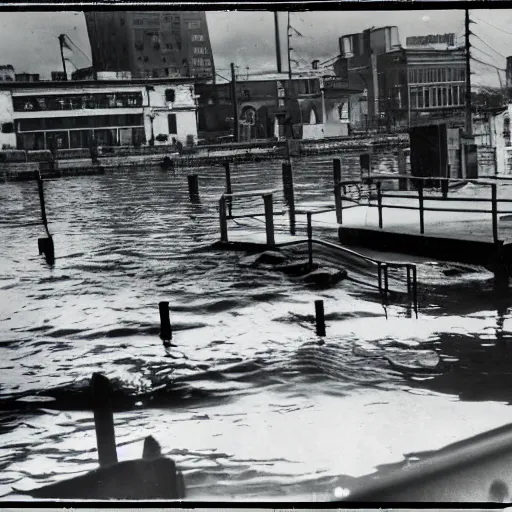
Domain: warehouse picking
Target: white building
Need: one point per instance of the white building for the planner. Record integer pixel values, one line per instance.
(115, 112)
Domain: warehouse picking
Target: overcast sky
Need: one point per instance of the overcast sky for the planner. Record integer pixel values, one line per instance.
(29, 40)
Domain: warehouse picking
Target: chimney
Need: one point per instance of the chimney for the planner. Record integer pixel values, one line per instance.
(314, 64)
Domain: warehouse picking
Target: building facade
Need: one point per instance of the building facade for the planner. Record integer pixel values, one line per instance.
(419, 84)
(68, 115)
(311, 106)
(155, 44)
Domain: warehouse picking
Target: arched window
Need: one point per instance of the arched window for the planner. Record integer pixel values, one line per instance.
(312, 116)
(343, 111)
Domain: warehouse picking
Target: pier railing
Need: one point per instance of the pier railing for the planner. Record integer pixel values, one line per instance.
(371, 188)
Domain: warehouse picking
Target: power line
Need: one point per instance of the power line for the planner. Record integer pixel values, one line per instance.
(488, 45)
(71, 41)
(485, 53)
(493, 26)
(223, 77)
(487, 64)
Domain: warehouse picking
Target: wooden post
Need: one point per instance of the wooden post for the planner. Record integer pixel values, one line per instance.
(386, 281)
(101, 398)
(336, 170)
(289, 194)
(494, 199)
(193, 187)
(320, 318)
(165, 322)
(379, 275)
(408, 279)
(310, 240)
(379, 202)
(444, 188)
(415, 288)
(402, 180)
(229, 190)
(223, 220)
(41, 200)
(269, 219)
(420, 197)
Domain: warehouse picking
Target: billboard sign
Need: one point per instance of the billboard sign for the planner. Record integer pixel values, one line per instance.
(431, 40)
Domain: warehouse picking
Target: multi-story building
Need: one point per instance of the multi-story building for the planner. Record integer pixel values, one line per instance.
(418, 84)
(311, 105)
(115, 112)
(156, 44)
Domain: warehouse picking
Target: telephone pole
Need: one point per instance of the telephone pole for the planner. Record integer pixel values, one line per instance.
(289, 49)
(469, 124)
(278, 43)
(235, 103)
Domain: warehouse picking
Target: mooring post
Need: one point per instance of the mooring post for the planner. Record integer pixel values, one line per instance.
(310, 240)
(41, 200)
(402, 180)
(269, 219)
(420, 197)
(444, 188)
(320, 318)
(415, 288)
(336, 170)
(494, 199)
(408, 279)
(386, 281)
(379, 202)
(379, 276)
(229, 190)
(165, 322)
(193, 187)
(101, 398)
(289, 194)
(223, 220)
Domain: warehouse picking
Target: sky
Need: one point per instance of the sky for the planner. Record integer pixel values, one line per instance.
(29, 39)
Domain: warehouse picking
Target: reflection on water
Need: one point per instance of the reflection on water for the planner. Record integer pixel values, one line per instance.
(249, 403)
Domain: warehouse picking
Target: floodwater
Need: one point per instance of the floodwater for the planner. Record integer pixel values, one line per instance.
(249, 403)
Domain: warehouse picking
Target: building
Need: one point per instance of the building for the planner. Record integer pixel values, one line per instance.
(7, 73)
(419, 84)
(309, 106)
(156, 44)
(116, 112)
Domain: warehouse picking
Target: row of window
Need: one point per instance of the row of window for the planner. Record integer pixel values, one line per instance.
(77, 139)
(70, 123)
(433, 75)
(199, 61)
(432, 97)
(77, 101)
(200, 50)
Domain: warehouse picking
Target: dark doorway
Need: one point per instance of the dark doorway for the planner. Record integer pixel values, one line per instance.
(429, 151)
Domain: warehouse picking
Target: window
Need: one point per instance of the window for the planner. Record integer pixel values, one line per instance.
(439, 96)
(146, 59)
(197, 38)
(8, 128)
(178, 44)
(167, 19)
(122, 22)
(156, 46)
(168, 46)
(207, 62)
(155, 73)
(138, 21)
(445, 97)
(170, 95)
(448, 74)
(194, 25)
(197, 61)
(450, 96)
(171, 119)
(427, 97)
(200, 50)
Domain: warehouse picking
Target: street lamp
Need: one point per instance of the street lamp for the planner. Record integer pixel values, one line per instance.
(151, 115)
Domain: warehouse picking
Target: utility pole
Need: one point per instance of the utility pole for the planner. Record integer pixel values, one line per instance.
(278, 43)
(289, 49)
(469, 124)
(62, 43)
(235, 103)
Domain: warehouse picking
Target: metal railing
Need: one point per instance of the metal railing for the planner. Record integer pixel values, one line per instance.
(339, 185)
